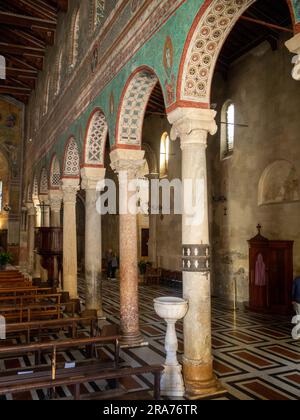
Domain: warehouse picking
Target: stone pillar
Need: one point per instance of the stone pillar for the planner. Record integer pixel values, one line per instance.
(152, 226)
(192, 126)
(293, 46)
(30, 237)
(70, 188)
(55, 199)
(38, 223)
(93, 239)
(128, 163)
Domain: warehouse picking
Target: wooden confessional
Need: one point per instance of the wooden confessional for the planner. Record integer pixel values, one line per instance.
(270, 274)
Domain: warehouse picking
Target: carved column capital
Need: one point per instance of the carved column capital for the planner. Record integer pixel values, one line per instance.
(70, 187)
(55, 199)
(30, 209)
(293, 45)
(192, 125)
(129, 161)
(91, 176)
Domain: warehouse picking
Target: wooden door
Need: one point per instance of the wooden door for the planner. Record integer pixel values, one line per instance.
(3, 240)
(145, 242)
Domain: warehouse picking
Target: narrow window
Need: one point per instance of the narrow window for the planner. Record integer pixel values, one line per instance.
(227, 130)
(164, 154)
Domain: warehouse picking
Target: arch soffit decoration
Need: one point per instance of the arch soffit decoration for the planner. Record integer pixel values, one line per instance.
(55, 173)
(35, 189)
(95, 140)
(71, 161)
(133, 104)
(207, 36)
(44, 183)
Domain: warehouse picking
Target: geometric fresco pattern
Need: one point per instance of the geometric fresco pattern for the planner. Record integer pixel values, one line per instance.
(72, 159)
(55, 173)
(207, 41)
(133, 108)
(44, 182)
(255, 357)
(96, 138)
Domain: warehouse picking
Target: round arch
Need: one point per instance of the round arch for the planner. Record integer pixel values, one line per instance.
(71, 160)
(211, 27)
(133, 104)
(44, 182)
(55, 173)
(95, 140)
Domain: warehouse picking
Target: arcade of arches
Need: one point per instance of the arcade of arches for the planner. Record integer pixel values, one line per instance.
(204, 91)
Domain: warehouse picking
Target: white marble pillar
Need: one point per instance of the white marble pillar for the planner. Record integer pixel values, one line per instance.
(93, 239)
(152, 226)
(293, 46)
(70, 188)
(128, 163)
(192, 126)
(55, 200)
(30, 236)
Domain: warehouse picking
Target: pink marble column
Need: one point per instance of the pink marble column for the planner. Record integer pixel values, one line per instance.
(128, 163)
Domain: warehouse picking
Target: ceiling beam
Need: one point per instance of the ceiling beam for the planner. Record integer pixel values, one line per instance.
(267, 24)
(13, 90)
(21, 72)
(23, 21)
(33, 9)
(17, 49)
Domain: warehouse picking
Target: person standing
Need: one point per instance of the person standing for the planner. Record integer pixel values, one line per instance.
(296, 295)
(114, 266)
(109, 259)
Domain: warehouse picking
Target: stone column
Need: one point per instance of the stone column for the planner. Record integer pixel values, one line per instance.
(152, 226)
(93, 239)
(70, 188)
(55, 199)
(192, 126)
(30, 237)
(293, 46)
(128, 163)
(38, 223)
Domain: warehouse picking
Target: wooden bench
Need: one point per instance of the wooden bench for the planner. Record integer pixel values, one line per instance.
(19, 291)
(38, 312)
(46, 377)
(22, 300)
(72, 324)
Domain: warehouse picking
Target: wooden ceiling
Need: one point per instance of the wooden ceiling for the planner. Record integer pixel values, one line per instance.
(265, 20)
(27, 27)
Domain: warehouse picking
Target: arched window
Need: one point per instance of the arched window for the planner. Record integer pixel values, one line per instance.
(75, 38)
(164, 154)
(58, 73)
(98, 12)
(227, 129)
(2, 67)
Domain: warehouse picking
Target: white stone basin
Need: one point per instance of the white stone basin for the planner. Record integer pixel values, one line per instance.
(171, 307)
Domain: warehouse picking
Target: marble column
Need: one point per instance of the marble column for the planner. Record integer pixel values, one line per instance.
(38, 223)
(192, 126)
(93, 239)
(152, 226)
(55, 199)
(70, 188)
(30, 238)
(293, 46)
(128, 163)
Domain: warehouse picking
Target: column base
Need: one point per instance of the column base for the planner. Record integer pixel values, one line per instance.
(132, 340)
(172, 382)
(200, 381)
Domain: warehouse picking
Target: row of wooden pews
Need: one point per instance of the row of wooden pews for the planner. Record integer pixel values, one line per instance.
(43, 325)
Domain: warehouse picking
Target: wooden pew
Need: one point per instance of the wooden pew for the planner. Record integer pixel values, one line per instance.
(22, 300)
(51, 377)
(72, 324)
(9, 291)
(37, 312)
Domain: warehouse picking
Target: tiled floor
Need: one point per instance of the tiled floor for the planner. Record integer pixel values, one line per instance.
(255, 355)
